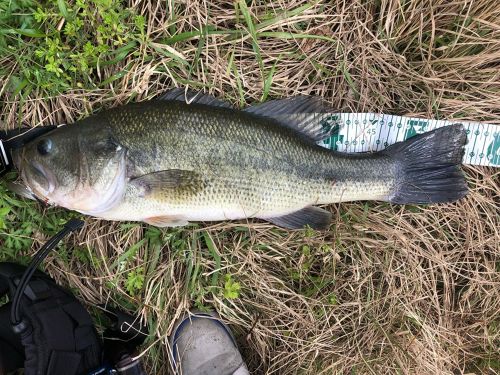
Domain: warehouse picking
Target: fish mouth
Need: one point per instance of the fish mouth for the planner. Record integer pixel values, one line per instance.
(44, 179)
(37, 181)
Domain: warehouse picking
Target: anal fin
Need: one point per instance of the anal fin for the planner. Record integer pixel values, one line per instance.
(317, 218)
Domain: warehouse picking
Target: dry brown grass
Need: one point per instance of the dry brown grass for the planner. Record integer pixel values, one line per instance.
(388, 289)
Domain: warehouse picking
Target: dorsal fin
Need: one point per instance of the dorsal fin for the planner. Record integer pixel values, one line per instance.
(191, 96)
(300, 113)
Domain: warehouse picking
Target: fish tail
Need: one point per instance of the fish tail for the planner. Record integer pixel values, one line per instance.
(429, 167)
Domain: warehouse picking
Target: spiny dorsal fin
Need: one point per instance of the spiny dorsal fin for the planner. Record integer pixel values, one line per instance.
(190, 97)
(300, 113)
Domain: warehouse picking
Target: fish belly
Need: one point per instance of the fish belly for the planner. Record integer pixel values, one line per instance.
(260, 194)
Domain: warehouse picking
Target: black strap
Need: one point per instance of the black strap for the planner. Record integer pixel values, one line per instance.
(70, 226)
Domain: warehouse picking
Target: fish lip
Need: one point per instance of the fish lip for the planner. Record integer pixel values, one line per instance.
(37, 169)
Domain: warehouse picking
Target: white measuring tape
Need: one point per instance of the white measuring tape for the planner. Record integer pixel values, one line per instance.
(361, 132)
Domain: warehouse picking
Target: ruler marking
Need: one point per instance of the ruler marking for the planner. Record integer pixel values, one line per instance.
(485, 138)
(358, 133)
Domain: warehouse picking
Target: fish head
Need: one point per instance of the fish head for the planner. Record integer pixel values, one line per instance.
(79, 169)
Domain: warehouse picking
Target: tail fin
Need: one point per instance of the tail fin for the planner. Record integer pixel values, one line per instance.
(428, 167)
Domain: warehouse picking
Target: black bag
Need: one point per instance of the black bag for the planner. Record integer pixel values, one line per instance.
(56, 334)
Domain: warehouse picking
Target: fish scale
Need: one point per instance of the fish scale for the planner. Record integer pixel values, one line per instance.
(204, 161)
(233, 154)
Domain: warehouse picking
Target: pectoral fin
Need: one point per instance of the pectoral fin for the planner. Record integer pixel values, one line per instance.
(169, 181)
(315, 217)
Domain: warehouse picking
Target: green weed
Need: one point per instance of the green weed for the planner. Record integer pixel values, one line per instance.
(231, 288)
(59, 45)
(21, 219)
(135, 281)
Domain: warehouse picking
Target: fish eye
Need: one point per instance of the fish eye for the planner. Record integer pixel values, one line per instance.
(44, 146)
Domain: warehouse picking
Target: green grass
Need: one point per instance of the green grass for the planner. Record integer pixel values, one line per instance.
(58, 45)
(20, 220)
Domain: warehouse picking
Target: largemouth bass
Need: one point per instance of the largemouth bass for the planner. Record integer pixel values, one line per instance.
(167, 162)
